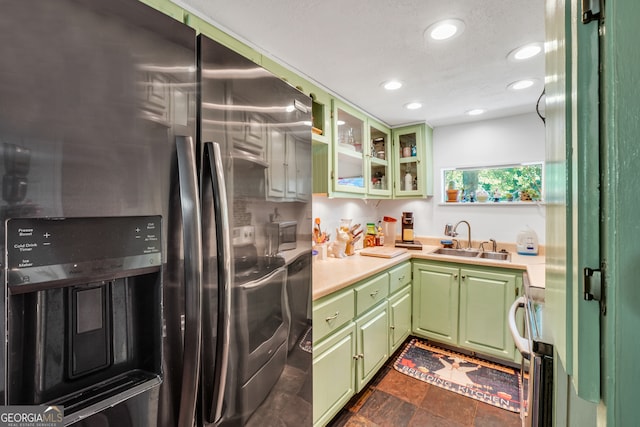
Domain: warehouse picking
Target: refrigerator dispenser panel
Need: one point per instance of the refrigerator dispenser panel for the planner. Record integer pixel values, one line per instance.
(46, 250)
(84, 314)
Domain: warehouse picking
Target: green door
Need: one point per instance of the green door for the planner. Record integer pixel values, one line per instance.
(399, 318)
(485, 298)
(333, 374)
(435, 302)
(372, 343)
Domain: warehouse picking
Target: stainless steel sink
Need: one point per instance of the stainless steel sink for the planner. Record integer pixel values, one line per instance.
(503, 256)
(471, 253)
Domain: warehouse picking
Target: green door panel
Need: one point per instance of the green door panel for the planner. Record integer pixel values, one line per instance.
(485, 298)
(372, 344)
(399, 318)
(435, 302)
(333, 374)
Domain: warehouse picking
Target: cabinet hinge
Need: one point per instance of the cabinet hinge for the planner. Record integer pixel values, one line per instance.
(594, 287)
(592, 10)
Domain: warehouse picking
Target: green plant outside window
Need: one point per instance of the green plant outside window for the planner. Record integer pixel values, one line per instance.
(511, 183)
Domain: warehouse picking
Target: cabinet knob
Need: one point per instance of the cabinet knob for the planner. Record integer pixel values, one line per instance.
(328, 319)
(455, 276)
(401, 278)
(464, 277)
(374, 293)
(358, 356)
(392, 327)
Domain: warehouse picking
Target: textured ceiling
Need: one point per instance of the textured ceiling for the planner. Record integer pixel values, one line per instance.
(351, 47)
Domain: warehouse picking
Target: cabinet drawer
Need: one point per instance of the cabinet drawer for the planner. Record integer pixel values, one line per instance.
(331, 313)
(399, 277)
(371, 292)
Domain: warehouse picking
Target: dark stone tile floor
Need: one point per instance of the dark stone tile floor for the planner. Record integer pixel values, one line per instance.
(393, 399)
(289, 404)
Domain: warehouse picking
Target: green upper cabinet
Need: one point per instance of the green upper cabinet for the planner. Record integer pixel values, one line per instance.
(321, 114)
(350, 146)
(412, 160)
(361, 155)
(378, 160)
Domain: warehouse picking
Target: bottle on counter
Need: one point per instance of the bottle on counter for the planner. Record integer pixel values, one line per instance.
(380, 236)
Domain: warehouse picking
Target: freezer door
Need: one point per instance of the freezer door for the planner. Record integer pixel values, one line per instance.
(92, 97)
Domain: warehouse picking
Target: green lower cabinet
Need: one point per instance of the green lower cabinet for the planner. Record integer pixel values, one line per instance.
(372, 344)
(465, 307)
(334, 365)
(485, 298)
(435, 302)
(399, 318)
(354, 332)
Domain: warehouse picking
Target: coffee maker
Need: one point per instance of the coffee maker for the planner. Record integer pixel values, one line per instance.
(407, 240)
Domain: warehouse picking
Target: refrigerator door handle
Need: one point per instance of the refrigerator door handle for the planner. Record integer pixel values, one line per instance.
(192, 235)
(213, 160)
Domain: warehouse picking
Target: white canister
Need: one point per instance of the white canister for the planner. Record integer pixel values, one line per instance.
(527, 242)
(408, 182)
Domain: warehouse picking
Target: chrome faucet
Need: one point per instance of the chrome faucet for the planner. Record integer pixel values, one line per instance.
(494, 245)
(451, 231)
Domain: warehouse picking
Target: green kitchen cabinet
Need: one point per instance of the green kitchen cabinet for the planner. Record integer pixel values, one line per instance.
(399, 318)
(435, 302)
(349, 133)
(412, 161)
(355, 330)
(378, 161)
(331, 312)
(485, 299)
(371, 343)
(362, 165)
(334, 364)
(465, 307)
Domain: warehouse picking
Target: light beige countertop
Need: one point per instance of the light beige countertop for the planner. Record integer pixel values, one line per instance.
(333, 274)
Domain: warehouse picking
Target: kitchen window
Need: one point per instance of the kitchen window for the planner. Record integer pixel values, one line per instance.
(497, 184)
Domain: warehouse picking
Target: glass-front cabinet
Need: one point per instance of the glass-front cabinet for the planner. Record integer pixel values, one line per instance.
(371, 160)
(379, 160)
(349, 149)
(411, 157)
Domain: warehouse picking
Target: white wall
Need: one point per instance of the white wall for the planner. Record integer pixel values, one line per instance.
(483, 143)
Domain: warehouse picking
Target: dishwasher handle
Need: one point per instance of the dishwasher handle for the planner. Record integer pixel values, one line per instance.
(521, 343)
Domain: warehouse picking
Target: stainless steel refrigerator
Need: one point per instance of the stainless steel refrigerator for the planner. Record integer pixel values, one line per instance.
(133, 217)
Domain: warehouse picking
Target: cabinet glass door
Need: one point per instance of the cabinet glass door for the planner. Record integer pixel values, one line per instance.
(379, 160)
(408, 152)
(349, 173)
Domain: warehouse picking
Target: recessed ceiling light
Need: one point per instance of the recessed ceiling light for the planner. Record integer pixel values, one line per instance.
(521, 84)
(392, 85)
(444, 30)
(475, 112)
(525, 52)
(413, 106)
